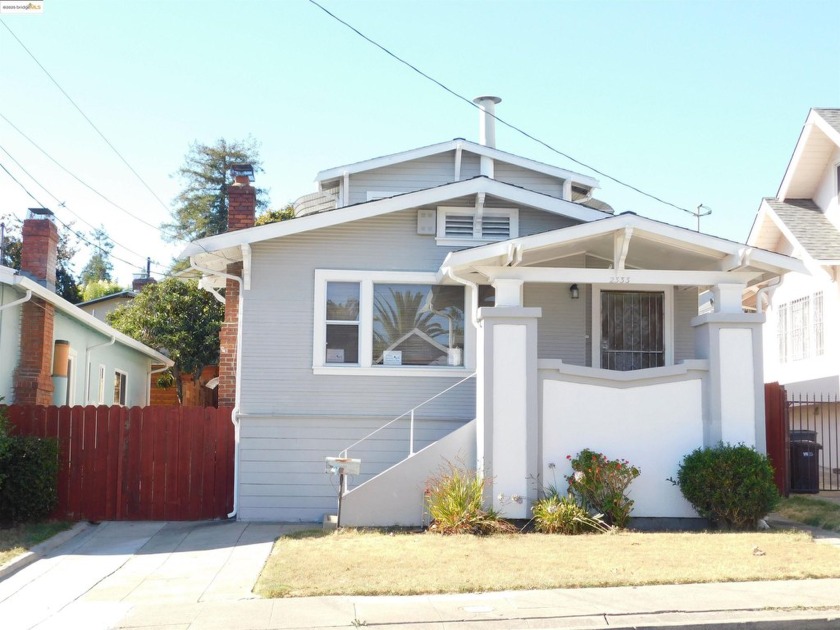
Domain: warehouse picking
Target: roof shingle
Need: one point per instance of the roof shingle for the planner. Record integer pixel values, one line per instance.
(831, 116)
(808, 224)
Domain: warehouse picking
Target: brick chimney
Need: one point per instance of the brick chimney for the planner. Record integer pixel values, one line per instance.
(39, 253)
(242, 207)
(142, 279)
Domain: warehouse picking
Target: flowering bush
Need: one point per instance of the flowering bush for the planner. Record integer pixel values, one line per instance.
(600, 485)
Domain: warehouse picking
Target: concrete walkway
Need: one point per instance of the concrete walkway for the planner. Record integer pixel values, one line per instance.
(198, 576)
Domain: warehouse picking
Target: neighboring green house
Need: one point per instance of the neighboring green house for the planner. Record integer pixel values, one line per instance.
(54, 353)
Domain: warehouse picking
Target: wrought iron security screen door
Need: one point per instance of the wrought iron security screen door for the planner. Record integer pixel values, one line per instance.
(632, 330)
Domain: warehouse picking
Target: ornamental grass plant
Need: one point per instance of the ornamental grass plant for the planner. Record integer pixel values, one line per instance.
(455, 503)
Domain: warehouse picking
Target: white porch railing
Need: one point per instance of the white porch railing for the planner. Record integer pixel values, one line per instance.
(410, 414)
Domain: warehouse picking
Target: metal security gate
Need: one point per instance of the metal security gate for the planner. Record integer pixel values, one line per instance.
(632, 330)
(814, 425)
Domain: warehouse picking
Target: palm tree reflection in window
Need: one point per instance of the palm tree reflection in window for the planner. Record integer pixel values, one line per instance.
(418, 325)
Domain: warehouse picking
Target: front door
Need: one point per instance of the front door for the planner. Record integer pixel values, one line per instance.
(632, 330)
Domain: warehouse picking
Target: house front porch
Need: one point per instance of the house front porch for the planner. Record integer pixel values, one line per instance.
(646, 382)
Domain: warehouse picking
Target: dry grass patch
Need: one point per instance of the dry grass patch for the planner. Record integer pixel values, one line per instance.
(375, 563)
(18, 539)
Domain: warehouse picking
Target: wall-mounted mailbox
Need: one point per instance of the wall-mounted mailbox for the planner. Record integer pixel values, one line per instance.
(343, 466)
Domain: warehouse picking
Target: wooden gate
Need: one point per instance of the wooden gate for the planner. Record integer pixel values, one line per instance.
(150, 463)
(778, 449)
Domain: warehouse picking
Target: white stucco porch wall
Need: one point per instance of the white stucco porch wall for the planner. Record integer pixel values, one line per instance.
(653, 427)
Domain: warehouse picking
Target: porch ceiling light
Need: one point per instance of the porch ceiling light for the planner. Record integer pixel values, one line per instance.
(574, 291)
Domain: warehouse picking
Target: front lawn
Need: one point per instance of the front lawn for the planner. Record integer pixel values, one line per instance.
(811, 511)
(20, 538)
(377, 563)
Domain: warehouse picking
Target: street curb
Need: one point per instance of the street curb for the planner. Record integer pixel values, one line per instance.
(41, 549)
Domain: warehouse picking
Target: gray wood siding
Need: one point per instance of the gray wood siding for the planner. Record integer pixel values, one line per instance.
(532, 180)
(278, 325)
(419, 174)
(535, 222)
(282, 466)
(562, 327)
(685, 308)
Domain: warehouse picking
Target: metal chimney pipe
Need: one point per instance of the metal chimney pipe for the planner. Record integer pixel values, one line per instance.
(487, 120)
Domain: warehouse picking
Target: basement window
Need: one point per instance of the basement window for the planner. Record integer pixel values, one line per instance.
(466, 226)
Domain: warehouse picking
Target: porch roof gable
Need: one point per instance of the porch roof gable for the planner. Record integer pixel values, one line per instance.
(626, 241)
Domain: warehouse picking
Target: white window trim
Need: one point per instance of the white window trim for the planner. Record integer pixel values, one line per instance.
(365, 367)
(118, 372)
(442, 211)
(100, 399)
(667, 314)
(788, 351)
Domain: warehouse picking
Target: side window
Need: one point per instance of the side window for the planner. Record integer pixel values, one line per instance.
(119, 387)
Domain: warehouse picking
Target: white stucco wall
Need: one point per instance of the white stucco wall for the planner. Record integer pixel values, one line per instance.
(653, 427)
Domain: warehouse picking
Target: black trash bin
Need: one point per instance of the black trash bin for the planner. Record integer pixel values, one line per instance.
(805, 464)
(803, 435)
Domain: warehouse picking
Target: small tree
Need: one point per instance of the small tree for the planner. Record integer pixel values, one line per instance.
(179, 319)
(100, 288)
(273, 216)
(99, 267)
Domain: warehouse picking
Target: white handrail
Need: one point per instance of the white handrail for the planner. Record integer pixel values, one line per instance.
(410, 413)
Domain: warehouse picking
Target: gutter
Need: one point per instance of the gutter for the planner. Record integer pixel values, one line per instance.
(770, 289)
(234, 414)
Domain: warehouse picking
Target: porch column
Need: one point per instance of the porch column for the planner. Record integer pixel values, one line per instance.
(507, 408)
(734, 397)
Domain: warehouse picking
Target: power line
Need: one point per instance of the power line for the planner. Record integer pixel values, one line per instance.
(504, 122)
(77, 234)
(90, 122)
(80, 180)
(63, 204)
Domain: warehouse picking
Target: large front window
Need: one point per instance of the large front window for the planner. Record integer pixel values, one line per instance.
(387, 320)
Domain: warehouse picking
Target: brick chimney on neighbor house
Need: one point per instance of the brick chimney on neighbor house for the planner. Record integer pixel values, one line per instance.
(38, 257)
(242, 207)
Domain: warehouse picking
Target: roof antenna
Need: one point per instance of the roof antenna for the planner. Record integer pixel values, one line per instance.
(701, 211)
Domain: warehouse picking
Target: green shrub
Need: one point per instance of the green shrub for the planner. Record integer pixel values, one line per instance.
(29, 468)
(600, 485)
(5, 438)
(454, 498)
(730, 485)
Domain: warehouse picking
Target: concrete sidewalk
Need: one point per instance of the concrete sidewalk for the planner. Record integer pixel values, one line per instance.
(199, 576)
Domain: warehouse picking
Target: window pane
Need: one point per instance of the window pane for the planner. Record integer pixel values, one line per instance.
(342, 343)
(343, 301)
(418, 325)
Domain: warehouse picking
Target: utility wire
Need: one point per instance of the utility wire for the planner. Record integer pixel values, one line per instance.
(90, 122)
(80, 180)
(63, 204)
(504, 122)
(77, 234)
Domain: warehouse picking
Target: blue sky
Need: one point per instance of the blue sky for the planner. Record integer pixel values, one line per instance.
(694, 102)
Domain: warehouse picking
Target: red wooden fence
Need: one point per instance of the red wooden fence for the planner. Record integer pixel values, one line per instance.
(776, 425)
(150, 463)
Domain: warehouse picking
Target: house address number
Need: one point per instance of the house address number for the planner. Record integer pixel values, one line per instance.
(620, 280)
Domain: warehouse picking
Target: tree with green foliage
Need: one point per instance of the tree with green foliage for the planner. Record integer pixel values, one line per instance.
(273, 216)
(179, 319)
(100, 288)
(201, 208)
(68, 244)
(99, 267)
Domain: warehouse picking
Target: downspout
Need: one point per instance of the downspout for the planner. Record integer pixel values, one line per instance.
(25, 298)
(87, 364)
(473, 294)
(234, 414)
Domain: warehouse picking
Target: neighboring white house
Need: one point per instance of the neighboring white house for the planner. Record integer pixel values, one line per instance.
(52, 352)
(534, 321)
(802, 348)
